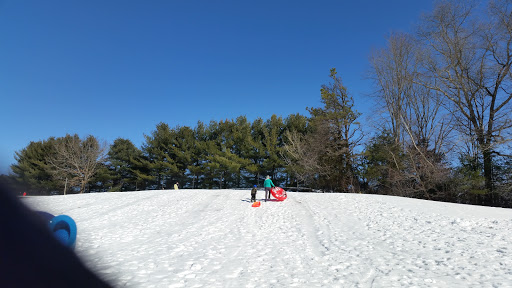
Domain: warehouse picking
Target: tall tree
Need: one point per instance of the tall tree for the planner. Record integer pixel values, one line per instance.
(182, 149)
(384, 164)
(159, 161)
(336, 125)
(32, 169)
(224, 160)
(76, 160)
(414, 112)
(241, 146)
(257, 151)
(299, 157)
(273, 130)
(122, 159)
(469, 63)
(302, 154)
(198, 155)
(391, 69)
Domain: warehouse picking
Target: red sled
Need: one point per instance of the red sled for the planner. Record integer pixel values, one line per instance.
(278, 193)
(256, 204)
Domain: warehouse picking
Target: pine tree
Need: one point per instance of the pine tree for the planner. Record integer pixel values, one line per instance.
(32, 169)
(182, 150)
(122, 159)
(198, 156)
(222, 162)
(241, 144)
(256, 153)
(159, 161)
(335, 125)
(273, 142)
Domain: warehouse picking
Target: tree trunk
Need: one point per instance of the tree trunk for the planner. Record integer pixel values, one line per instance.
(488, 170)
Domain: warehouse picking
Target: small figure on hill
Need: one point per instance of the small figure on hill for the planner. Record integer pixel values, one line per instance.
(268, 184)
(176, 186)
(253, 193)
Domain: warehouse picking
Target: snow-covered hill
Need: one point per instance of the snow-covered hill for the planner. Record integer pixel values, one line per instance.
(214, 238)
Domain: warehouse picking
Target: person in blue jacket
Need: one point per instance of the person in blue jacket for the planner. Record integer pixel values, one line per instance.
(268, 184)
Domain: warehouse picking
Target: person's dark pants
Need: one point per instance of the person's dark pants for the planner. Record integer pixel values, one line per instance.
(267, 193)
(253, 197)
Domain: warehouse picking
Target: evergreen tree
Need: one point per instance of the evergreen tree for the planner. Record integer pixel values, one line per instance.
(335, 125)
(123, 157)
(102, 180)
(222, 164)
(183, 146)
(32, 169)
(297, 122)
(241, 145)
(143, 173)
(384, 161)
(273, 142)
(257, 152)
(159, 163)
(198, 154)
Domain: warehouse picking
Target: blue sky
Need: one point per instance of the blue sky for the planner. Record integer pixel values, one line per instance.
(117, 68)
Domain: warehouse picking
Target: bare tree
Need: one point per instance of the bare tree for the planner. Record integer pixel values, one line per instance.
(391, 69)
(302, 155)
(469, 64)
(76, 160)
(418, 124)
(414, 112)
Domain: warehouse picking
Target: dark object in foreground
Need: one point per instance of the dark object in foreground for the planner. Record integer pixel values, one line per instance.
(31, 257)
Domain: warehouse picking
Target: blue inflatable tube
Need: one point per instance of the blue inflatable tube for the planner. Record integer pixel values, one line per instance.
(64, 229)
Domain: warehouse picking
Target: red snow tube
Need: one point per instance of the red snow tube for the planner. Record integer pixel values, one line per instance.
(278, 193)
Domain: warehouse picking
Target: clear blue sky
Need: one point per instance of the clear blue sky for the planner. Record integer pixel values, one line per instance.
(117, 68)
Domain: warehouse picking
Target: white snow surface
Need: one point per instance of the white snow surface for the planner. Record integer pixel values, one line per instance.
(214, 238)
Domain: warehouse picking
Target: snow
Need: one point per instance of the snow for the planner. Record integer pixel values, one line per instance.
(214, 238)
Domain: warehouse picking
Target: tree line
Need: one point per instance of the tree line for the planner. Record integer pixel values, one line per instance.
(441, 129)
(224, 154)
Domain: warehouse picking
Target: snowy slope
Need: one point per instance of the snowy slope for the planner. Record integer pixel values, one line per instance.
(214, 238)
